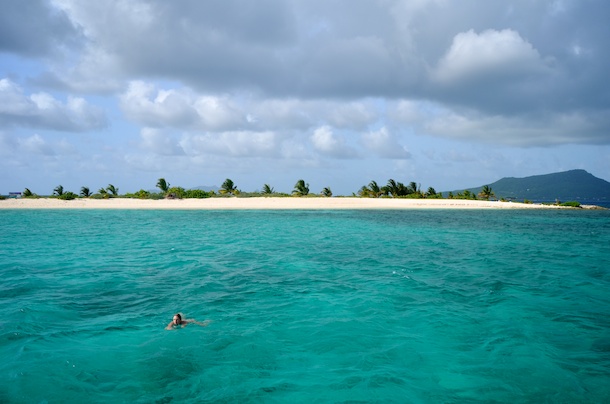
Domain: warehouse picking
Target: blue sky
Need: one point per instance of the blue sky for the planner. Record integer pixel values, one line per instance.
(448, 94)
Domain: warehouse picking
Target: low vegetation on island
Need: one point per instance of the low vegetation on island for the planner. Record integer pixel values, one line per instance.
(392, 189)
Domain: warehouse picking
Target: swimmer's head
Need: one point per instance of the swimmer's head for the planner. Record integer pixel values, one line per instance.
(177, 319)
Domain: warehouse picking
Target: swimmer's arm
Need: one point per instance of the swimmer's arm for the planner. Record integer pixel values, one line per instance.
(203, 324)
(169, 326)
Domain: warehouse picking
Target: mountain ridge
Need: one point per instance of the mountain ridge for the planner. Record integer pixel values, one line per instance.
(572, 185)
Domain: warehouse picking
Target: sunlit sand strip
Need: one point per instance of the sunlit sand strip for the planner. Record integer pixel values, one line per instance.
(262, 203)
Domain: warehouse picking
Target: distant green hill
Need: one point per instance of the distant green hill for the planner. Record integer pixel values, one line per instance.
(573, 185)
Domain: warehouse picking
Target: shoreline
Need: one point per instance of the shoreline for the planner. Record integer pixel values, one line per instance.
(266, 203)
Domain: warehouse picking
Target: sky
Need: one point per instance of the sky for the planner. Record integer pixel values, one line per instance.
(447, 94)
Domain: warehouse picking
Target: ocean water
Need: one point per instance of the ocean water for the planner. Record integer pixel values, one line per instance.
(410, 306)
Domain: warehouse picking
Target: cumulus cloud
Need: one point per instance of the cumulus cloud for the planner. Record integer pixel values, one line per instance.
(184, 108)
(384, 145)
(289, 58)
(36, 145)
(160, 143)
(533, 130)
(292, 67)
(352, 115)
(33, 146)
(144, 104)
(304, 114)
(233, 144)
(496, 54)
(42, 110)
(326, 142)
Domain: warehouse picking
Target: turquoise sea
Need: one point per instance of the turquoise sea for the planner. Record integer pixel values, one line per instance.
(405, 306)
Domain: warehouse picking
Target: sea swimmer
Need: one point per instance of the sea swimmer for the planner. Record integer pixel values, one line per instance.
(179, 322)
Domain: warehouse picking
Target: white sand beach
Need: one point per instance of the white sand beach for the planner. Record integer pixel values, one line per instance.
(261, 203)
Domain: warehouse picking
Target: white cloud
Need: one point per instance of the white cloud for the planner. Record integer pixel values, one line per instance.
(36, 145)
(297, 114)
(384, 145)
(179, 108)
(233, 144)
(185, 109)
(535, 130)
(42, 110)
(352, 115)
(160, 142)
(326, 142)
(143, 103)
(490, 53)
(14, 102)
(219, 113)
(247, 87)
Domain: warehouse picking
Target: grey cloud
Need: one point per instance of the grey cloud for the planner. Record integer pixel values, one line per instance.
(34, 28)
(358, 49)
(525, 58)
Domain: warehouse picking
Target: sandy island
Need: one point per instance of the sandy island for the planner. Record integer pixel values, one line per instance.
(262, 203)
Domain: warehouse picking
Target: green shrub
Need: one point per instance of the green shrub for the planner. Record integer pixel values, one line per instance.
(573, 204)
(141, 194)
(197, 193)
(527, 201)
(176, 192)
(67, 196)
(156, 196)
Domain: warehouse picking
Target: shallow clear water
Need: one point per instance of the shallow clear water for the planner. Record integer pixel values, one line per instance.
(306, 306)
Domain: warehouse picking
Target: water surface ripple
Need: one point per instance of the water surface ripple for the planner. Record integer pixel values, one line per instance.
(306, 306)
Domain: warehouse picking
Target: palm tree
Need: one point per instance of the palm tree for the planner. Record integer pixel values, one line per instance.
(413, 188)
(364, 192)
(375, 190)
(84, 192)
(163, 185)
(111, 188)
(466, 195)
(267, 190)
(58, 191)
(390, 188)
(27, 193)
(300, 188)
(371, 191)
(327, 192)
(431, 192)
(228, 187)
(395, 189)
(486, 192)
(102, 191)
